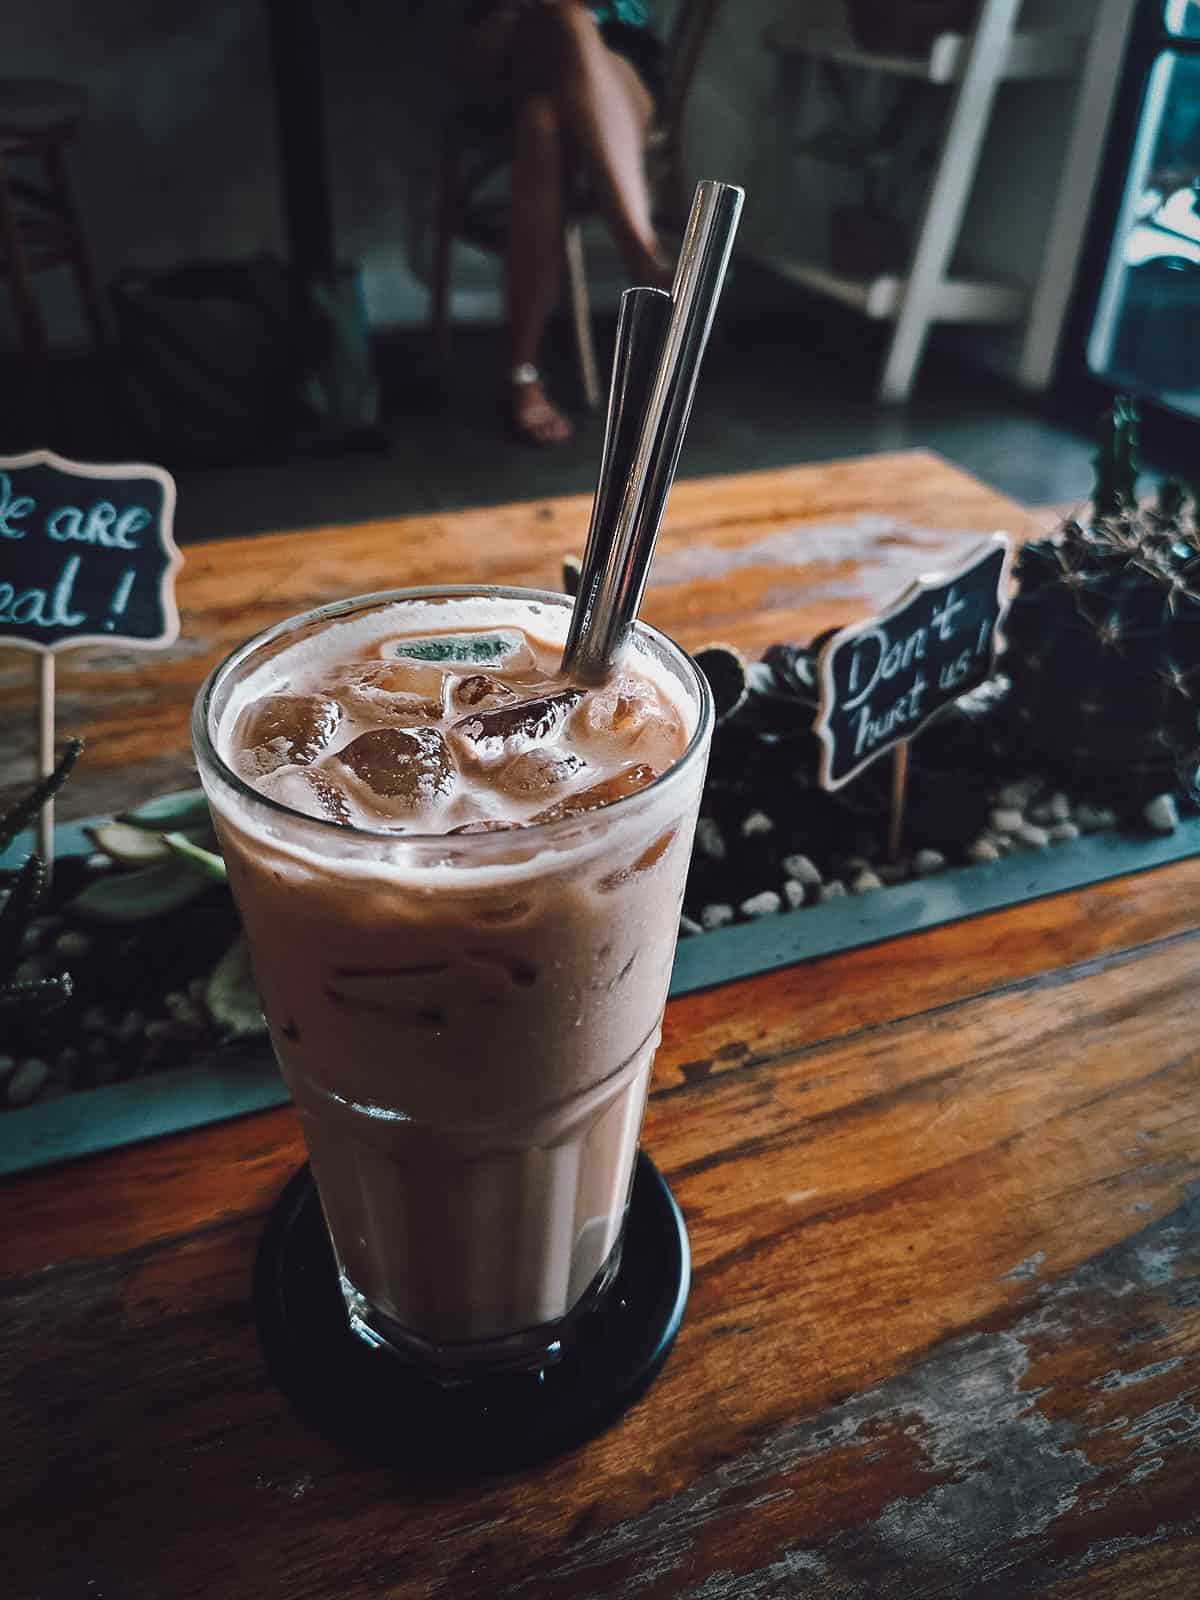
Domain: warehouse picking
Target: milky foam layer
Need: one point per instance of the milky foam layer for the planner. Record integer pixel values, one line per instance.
(442, 717)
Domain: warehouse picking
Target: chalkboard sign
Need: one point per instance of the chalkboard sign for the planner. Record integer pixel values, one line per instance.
(883, 679)
(87, 553)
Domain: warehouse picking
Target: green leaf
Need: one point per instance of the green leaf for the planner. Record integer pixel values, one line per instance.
(208, 862)
(25, 811)
(35, 999)
(231, 997)
(130, 846)
(123, 897)
(165, 813)
(127, 845)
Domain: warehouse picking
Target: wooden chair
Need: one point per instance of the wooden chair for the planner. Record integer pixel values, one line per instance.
(468, 160)
(40, 223)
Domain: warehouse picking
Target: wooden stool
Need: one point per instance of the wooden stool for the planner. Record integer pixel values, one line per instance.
(40, 224)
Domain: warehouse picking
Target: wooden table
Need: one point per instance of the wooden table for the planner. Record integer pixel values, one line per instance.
(945, 1316)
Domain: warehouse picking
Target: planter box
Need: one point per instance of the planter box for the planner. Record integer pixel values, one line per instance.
(189, 1097)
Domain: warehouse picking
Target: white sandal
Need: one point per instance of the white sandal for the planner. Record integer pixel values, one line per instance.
(537, 416)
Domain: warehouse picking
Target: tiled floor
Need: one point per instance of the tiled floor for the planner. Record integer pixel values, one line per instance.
(777, 389)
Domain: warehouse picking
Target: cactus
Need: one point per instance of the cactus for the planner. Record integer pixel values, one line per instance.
(22, 999)
(1103, 638)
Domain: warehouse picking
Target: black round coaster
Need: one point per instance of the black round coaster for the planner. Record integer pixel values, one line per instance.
(380, 1407)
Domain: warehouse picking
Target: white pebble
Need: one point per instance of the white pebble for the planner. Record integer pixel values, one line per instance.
(1005, 820)
(7, 1063)
(715, 916)
(1004, 842)
(1036, 838)
(688, 926)
(794, 893)
(802, 869)
(709, 839)
(835, 889)
(761, 905)
(28, 971)
(1162, 813)
(27, 1081)
(181, 1010)
(72, 944)
(1059, 807)
(1018, 795)
(758, 822)
(856, 864)
(927, 861)
(893, 872)
(983, 850)
(865, 881)
(1092, 819)
(1062, 832)
(132, 1024)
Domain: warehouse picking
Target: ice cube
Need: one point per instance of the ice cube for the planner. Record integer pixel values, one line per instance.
(282, 729)
(410, 766)
(626, 782)
(538, 771)
(650, 857)
(502, 646)
(489, 735)
(480, 692)
(622, 707)
(310, 790)
(405, 693)
(486, 825)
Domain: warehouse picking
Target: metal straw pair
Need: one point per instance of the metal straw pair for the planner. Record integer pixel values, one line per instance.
(660, 342)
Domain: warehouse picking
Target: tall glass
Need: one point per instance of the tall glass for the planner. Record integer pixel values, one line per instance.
(466, 1023)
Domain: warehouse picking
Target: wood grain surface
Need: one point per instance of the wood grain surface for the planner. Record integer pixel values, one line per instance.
(943, 1196)
(751, 559)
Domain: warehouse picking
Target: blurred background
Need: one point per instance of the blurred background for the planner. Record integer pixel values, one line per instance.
(968, 223)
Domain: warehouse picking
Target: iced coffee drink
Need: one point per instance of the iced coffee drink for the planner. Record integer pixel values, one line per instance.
(460, 877)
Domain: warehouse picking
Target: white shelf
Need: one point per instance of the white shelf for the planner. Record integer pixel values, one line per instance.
(1035, 53)
(955, 300)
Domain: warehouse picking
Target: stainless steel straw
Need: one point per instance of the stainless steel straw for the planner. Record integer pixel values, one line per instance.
(639, 459)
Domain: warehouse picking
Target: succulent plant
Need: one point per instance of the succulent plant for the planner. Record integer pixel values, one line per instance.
(169, 856)
(21, 999)
(1103, 638)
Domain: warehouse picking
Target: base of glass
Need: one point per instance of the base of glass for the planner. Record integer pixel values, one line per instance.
(528, 1350)
(360, 1389)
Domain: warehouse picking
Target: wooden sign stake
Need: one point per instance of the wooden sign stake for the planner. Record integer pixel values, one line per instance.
(46, 755)
(899, 799)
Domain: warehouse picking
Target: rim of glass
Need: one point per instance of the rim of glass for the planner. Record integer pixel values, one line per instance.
(211, 757)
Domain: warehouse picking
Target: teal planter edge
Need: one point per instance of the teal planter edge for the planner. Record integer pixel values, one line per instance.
(192, 1097)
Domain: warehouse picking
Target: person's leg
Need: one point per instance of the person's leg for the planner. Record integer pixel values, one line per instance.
(606, 110)
(533, 269)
